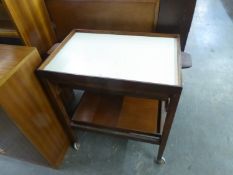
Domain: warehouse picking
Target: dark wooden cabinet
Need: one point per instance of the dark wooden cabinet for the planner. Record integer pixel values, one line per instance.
(176, 16)
(164, 16)
(127, 15)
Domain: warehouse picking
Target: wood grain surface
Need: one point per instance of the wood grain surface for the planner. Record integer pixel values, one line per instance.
(128, 15)
(121, 112)
(13, 142)
(7, 28)
(176, 16)
(11, 58)
(23, 99)
(33, 23)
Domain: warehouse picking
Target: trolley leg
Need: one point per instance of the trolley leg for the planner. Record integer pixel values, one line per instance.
(167, 127)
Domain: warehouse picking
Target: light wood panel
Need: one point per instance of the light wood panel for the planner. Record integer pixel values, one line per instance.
(127, 15)
(33, 23)
(119, 112)
(11, 58)
(23, 99)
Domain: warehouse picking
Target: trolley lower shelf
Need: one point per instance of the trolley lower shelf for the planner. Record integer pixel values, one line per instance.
(123, 115)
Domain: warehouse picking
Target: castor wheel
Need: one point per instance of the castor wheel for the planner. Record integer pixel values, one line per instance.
(76, 146)
(161, 161)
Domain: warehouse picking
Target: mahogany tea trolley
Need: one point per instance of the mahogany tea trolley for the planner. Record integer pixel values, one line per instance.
(131, 82)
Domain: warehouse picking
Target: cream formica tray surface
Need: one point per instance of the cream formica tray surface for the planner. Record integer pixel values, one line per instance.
(148, 59)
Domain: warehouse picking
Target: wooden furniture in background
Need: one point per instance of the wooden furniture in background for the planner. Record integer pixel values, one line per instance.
(175, 16)
(125, 85)
(33, 23)
(126, 15)
(164, 16)
(29, 128)
(7, 28)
